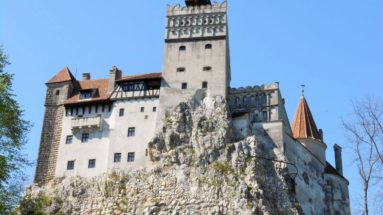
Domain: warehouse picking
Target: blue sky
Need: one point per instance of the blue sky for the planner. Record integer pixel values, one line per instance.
(334, 47)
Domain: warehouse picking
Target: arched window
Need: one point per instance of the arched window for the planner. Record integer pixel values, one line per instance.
(208, 46)
(182, 48)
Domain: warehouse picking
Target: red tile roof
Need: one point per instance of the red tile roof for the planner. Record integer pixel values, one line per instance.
(303, 126)
(101, 85)
(63, 76)
(141, 77)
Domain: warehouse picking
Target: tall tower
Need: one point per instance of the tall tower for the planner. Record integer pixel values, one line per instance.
(196, 52)
(59, 88)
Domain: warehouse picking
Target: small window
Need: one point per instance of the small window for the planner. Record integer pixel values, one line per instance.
(69, 139)
(204, 85)
(57, 92)
(182, 48)
(84, 137)
(92, 163)
(142, 109)
(86, 94)
(146, 117)
(117, 157)
(122, 110)
(207, 68)
(184, 86)
(70, 165)
(154, 109)
(181, 69)
(208, 46)
(131, 157)
(131, 131)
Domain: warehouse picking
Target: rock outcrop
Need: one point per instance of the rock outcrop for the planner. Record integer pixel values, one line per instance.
(197, 169)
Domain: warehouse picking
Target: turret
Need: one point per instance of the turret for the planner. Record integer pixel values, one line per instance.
(59, 88)
(305, 131)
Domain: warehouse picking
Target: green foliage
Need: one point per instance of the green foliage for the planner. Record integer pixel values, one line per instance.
(13, 130)
(35, 206)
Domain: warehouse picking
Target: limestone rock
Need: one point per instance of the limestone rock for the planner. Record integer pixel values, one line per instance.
(198, 169)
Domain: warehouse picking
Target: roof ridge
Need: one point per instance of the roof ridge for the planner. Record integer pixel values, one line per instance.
(62, 76)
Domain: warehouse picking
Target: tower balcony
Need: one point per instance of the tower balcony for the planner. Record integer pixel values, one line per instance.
(87, 124)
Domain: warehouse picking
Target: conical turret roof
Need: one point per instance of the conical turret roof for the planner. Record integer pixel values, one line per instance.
(62, 76)
(304, 126)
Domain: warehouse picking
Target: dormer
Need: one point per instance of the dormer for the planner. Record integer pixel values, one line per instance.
(89, 94)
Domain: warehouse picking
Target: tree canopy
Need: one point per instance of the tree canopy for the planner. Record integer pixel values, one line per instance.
(13, 131)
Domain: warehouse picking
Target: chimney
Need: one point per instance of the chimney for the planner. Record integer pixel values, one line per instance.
(86, 76)
(114, 74)
(338, 159)
(321, 134)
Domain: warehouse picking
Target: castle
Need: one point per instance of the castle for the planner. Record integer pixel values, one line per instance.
(93, 126)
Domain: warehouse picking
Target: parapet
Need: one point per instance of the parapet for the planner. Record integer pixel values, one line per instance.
(179, 10)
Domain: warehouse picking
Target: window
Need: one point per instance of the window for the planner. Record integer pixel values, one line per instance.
(208, 46)
(181, 69)
(204, 85)
(207, 68)
(86, 94)
(122, 110)
(84, 137)
(57, 92)
(131, 131)
(69, 139)
(154, 109)
(128, 87)
(117, 157)
(146, 116)
(184, 86)
(130, 156)
(70, 165)
(142, 109)
(92, 163)
(182, 48)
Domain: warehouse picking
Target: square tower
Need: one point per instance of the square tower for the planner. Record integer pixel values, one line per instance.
(197, 55)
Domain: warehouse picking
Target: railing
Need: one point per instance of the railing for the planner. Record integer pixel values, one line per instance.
(87, 124)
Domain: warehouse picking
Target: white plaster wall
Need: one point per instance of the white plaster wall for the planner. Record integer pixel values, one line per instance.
(316, 147)
(193, 59)
(95, 148)
(337, 194)
(310, 194)
(113, 138)
(144, 122)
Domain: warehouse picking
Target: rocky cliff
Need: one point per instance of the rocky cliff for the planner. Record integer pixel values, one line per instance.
(200, 166)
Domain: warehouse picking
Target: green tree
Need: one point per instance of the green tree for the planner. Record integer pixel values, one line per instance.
(13, 131)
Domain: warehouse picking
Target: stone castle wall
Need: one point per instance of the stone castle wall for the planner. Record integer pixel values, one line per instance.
(50, 140)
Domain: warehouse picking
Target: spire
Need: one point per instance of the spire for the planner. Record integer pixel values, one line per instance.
(62, 76)
(304, 125)
(192, 3)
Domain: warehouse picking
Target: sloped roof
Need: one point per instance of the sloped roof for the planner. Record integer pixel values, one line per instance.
(141, 77)
(304, 126)
(62, 76)
(332, 171)
(100, 84)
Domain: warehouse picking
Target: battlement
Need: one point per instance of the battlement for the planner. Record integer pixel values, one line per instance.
(213, 8)
(205, 21)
